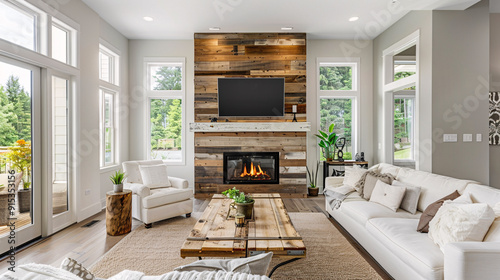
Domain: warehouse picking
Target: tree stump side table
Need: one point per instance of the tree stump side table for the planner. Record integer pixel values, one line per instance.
(118, 212)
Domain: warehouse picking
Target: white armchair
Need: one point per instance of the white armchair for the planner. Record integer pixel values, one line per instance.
(152, 204)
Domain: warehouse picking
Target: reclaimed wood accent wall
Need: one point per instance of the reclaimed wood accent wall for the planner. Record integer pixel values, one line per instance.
(210, 146)
(250, 55)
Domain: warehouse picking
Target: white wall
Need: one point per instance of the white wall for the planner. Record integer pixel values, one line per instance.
(88, 170)
(340, 49)
(494, 86)
(138, 50)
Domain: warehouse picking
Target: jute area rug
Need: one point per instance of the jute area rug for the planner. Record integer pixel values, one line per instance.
(157, 250)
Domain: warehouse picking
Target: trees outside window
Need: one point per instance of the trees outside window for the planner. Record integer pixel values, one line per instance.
(15, 113)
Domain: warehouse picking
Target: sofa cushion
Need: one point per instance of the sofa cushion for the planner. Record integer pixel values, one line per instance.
(493, 234)
(354, 196)
(411, 197)
(388, 195)
(483, 194)
(431, 210)
(155, 176)
(388, 169)
(457, 222)
(362, 211)
(368, 181)
(433, 186)
(415, 249)
(163, 196)
(353, 174)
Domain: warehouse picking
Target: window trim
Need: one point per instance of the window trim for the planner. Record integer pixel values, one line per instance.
(390, 87)
(355, 94)
(164, 94)
(114, 63)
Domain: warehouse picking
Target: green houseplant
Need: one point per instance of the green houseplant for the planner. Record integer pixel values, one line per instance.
(117, 178)
(242, 202)
(19, 156)
(327, 142)
(313, 180)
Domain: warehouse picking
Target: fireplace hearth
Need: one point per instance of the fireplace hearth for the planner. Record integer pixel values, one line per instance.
(251, 168)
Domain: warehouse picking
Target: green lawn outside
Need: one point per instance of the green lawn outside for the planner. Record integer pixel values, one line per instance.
(403, 154)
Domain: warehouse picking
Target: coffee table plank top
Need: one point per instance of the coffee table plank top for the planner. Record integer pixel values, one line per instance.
(214, 235)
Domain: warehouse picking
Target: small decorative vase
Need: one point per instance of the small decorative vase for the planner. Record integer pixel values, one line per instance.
(118, 188)
(244, 209)
(313, 191)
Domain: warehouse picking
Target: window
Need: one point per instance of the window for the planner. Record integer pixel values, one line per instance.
(165, 119)
(404, 106)
(19, 25)
(62, 49)
(108, 65)
(338, 98)
(405, 64)
(108, 128)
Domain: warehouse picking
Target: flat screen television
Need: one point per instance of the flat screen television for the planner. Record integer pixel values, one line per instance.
(251, 97)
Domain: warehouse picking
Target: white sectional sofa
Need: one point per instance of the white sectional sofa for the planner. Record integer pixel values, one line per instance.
(391, 238)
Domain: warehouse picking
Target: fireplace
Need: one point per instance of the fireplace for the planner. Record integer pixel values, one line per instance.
(251, 168)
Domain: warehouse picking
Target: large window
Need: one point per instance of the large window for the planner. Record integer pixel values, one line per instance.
(338, 92)
(63, 42)
(19, 25)
(109, 92)
(165, 92)
(404, 107)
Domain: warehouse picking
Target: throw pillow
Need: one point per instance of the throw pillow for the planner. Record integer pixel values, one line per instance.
(353, 174)
(257, 265)
(410, 199)
(387, 195)
(464, 198)
(155, 176)
(76, 268)
(493, 234)
(367, 183)
(456, 222)
(431, 210)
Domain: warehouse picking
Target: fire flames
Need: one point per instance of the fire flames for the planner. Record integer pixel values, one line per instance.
(255, 173)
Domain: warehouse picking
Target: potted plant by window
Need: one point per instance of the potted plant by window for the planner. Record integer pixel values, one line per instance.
(19, 156)
(313, 179)
(117, 180)
(327, 142)
(243, 203)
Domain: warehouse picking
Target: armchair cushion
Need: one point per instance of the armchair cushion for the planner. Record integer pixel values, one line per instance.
(164, 196)
(138, 189)
(155, 176)
(178, 183)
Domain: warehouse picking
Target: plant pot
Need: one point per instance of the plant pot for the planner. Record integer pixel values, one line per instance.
(244, 209)
(24, 197)
(4, 209)
(313, 191)
(118, 188)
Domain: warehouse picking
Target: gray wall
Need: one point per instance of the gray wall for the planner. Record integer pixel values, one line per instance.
(494, 86)
(413, 21)
(460, 74)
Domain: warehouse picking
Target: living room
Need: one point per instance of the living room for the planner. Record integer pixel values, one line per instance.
(97, 77)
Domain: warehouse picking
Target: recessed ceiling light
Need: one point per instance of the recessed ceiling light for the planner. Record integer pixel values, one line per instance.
(147, 18)
(214, 28)
(353, 18)
(286, 28)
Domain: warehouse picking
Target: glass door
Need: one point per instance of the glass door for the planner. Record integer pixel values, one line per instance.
(20, 184)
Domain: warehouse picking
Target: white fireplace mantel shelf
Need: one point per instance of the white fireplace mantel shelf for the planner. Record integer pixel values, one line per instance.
(250, 127)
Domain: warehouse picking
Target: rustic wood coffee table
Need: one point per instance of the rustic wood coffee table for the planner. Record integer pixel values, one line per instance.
(270, 230)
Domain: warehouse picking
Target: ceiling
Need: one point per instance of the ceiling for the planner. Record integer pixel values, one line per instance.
(321, 19)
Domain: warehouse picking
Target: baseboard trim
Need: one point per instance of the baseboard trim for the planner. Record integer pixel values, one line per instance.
(89, 211)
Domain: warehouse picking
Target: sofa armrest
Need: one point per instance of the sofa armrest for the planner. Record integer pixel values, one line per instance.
(333, 182)
(138, 189)
(178, 183)
(472, 260)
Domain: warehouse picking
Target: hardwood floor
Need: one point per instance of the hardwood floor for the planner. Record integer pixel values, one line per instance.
(88, 244)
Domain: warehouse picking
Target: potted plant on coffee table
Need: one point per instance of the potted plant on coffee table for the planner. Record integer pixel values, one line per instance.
(313, 179)
(242, 202)
(327, 142)
(117, 180)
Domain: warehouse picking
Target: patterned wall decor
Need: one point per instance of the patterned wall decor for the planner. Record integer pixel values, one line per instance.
(495, 118)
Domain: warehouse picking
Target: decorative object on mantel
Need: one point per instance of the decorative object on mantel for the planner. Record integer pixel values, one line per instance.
(213, 119)
(327, 142)
(494, 118)
(117, 180)
(339, 146)
(250, 127)
(294, 111)
(362, 157)
(243, 203)
(313, 180)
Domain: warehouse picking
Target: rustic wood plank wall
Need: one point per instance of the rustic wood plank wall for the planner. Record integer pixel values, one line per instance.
(250, 55)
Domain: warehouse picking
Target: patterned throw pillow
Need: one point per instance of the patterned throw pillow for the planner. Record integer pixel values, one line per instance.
(76, 268)
(367, 183)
